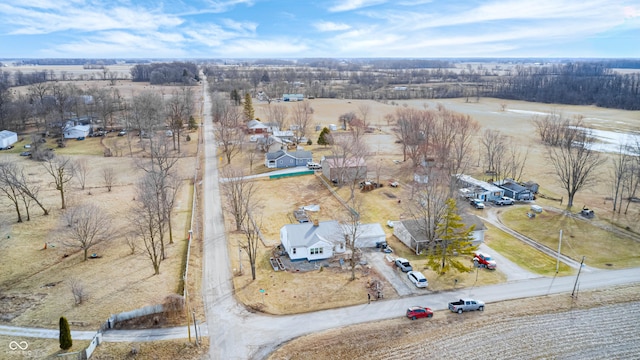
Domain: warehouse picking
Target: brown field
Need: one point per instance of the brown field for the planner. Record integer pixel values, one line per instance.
(554, 326)
(35, 281)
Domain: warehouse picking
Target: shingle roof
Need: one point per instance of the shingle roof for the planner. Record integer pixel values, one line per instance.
(307, 234)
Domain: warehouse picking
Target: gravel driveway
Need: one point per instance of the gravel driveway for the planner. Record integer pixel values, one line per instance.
(383, 263)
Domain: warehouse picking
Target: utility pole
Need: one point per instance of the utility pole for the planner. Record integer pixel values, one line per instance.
(558, 259)
(577, 277)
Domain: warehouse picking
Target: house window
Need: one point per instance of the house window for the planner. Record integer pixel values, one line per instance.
(294, 251)
(316, 251)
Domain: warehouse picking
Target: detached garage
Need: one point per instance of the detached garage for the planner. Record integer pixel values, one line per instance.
(7, 138)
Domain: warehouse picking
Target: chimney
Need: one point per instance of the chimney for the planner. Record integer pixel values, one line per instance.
(315, 222)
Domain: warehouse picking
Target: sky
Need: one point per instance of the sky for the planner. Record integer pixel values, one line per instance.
(254, 29)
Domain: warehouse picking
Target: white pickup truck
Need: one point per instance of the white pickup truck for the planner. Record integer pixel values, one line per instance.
(466, 305)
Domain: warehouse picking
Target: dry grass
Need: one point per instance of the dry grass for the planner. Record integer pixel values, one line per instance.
(44, 349)
(35, 280)
(524, 255)
(602, 248)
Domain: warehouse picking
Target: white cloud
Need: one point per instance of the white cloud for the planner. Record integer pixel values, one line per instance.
(348, 5)
(330, 26)
(67, 17)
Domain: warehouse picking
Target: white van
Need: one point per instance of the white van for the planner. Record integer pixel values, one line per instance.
(314, 166)
(418, 279)
(536, 208)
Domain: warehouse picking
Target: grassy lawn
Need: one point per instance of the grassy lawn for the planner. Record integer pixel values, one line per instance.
(603, 249)
(437, 282)
(524, 255)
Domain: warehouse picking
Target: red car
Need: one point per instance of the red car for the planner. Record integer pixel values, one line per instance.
(415, 312)
(484, 260)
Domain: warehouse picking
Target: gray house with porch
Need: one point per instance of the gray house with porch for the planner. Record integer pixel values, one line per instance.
(412, 232)
(285, 159)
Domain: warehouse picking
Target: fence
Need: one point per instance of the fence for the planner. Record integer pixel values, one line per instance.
(300, 173)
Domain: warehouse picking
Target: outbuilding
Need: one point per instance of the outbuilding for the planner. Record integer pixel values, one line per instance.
(77, 131)
(7, 138)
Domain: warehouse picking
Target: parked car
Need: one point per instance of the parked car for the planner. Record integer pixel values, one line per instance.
(403, 264)
(484, 260)
(393, 183)
(466, 305)
(418, 279)
(122, 133)
(505, 200)
(7, 147)
(477, 203)
(416, 312)
(314, 166)
(25, 153)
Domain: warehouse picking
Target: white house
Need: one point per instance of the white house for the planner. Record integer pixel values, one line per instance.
(7, 138)
(77, 131)
(321, 240)
(311, 241)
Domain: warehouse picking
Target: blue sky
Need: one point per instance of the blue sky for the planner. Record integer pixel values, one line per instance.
(309, 28)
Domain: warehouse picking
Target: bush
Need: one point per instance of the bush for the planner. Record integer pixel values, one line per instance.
(309, 142)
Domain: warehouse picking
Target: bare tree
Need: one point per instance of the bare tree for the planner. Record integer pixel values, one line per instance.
(513, 161)
(229, 134)
(278, 114)
(620, 169)
(465, 128)
(108, 175)
(85, 226)
(178, 112)
(631, 182)
(251, 229)
(352, 232)
(9, 185)
(131, 242)
(494, 143)
(148, 113)
(574, 161)
(162, 176)
(145, 221)
(349, 152)
(62, 170)
(239, 194)
(78, 291)
(430, 206)
(82, 170)
(302, 118)
(364, 110)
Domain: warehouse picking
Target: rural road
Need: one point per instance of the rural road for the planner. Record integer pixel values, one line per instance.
(236, 333)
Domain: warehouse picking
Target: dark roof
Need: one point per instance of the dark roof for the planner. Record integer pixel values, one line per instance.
(298, 154)
(513, 186)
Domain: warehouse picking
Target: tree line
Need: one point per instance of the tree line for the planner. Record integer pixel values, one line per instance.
(176, 72)
(576, 83)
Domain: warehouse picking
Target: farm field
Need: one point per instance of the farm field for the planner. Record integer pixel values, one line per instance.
(544, 327)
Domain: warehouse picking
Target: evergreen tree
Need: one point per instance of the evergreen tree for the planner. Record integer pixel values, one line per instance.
(248, 108)
(324, 138)
(192, 123)
(65, 334)
(454, 242)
